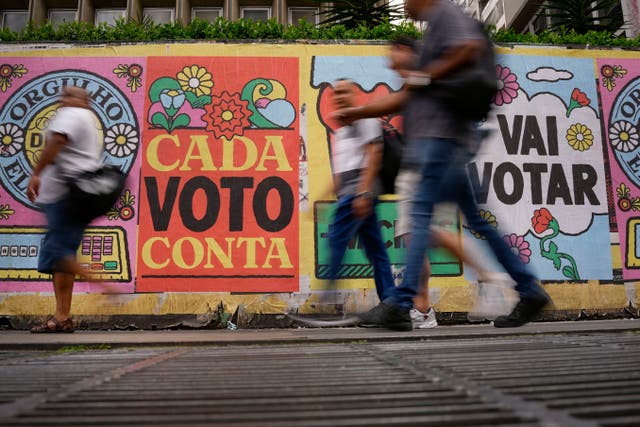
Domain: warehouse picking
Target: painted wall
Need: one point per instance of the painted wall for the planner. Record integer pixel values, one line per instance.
(227, 148)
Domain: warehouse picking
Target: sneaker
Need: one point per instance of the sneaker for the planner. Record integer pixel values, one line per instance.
(420, 320)
(493, 299)
(524, 311)
(386, 316)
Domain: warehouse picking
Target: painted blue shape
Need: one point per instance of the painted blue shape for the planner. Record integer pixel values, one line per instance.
(367, 71)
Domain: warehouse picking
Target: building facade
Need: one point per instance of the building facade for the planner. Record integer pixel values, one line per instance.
(521, 15)
(15, 14)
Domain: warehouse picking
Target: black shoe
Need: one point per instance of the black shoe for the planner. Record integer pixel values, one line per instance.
(523, 312)
(386, 316)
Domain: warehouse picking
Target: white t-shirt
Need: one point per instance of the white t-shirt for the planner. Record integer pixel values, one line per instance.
(349, 147)
(83, 151)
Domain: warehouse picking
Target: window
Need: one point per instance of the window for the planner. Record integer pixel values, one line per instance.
(208, 14)
(61, 16)
(109, 16)
(14, 20)
(310, 14)
(159, 15)
(255, 13)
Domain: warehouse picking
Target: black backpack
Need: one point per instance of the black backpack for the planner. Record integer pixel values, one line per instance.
(93, 193)
(391, 158)
(470, 91)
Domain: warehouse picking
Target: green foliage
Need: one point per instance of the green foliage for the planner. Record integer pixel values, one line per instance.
(577, 15)
(222, 29)
(355, 13)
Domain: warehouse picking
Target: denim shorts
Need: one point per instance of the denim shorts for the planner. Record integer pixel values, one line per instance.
(62, 239)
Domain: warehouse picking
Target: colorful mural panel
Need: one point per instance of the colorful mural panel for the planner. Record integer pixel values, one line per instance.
(539, 174)
(620, 93)
(220, 175)
(29, 89)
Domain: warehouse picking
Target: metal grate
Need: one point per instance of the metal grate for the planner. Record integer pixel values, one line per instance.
(546, 380)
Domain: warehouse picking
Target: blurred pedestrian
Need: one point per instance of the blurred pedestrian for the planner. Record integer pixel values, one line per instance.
(440, 139)
(356, 155)
(72, 146)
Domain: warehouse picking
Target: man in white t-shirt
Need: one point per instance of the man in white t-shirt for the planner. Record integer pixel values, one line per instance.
(356, 154)
(72, 146)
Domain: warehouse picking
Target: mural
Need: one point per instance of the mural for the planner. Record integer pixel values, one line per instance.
(220, 176)
(620, 94)
(29, 89)
(539, 174)
(227, 150)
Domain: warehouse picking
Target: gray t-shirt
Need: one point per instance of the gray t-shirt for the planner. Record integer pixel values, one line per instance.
(82, 152)
(349, 152)
(427, 117)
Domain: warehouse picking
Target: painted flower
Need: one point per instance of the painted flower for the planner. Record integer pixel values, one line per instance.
(172, 100)
(609, 74)
(227, 115)
(11, 139)
(8, 72)
(625, 201)
(6, 211)
(579, 137)
(578, 99)
(489, 218)
(519, 246)
(133, 74)
(507, 86)
(195, 79)
(541, 220)
(121, 140)
(623, 136)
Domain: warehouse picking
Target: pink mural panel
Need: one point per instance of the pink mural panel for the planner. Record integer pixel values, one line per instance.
(619, 87)
(29, 89)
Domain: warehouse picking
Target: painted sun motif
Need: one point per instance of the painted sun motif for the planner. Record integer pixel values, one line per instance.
(121, 140)
(195, 79)
(579, 137)
(11, 139)
(623, 136)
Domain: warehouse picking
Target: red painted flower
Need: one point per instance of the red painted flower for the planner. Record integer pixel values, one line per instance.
(580, 97)
(227, 115)
(541, 219)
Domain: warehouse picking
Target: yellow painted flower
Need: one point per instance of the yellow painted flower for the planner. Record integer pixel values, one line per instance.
(195, 79)
(579, 137)
(489, 218)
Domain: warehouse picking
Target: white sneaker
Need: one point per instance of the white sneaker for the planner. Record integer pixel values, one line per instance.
(492, 298)
(420, 320)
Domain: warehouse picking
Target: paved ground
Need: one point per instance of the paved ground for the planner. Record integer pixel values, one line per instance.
(547, 374)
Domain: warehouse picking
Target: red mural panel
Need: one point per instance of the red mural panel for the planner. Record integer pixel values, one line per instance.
(219, 179)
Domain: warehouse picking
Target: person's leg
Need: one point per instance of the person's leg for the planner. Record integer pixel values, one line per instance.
(532, 297)
(344, 227)
(406, 183)
(376, 251)
(437, 160)
(63, 288)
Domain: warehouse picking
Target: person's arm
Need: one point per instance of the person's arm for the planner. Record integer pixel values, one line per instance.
(389, 104)
(363, 203)
(453, 59)
(54, 143)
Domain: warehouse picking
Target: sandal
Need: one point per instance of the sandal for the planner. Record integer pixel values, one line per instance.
(53, 325)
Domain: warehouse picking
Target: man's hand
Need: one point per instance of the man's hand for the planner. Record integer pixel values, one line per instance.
(345, 116)
(361, 206)
(33, 189)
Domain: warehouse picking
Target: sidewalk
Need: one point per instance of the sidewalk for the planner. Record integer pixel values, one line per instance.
(23, 340)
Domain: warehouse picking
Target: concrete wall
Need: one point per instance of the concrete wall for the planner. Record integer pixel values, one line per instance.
(227, 149)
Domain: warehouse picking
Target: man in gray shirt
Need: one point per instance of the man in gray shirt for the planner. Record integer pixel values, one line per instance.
(439, 137)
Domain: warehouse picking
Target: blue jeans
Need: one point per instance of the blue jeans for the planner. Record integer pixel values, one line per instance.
(346, 226)
(444, 178)
(62, 239)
